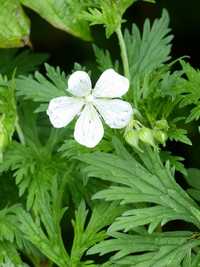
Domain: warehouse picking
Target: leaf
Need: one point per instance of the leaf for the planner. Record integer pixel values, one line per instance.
(179, 135)
(34, 168)
(48, 239)
(9, 255)
(104, 60)
(108, 13)
(10, 236)
(42, 89)
(8, 115)
(22, 62)
(193, 177)
(175, 161)
(189, 89)
(14, 25)
(135, 183)
(155, 250)
(62, 14)
(86, 234)
(149, 51)
(8, 226)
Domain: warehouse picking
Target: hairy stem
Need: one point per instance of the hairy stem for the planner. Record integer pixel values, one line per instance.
(124, 55)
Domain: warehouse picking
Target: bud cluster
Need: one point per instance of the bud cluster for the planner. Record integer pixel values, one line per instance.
(136, 132)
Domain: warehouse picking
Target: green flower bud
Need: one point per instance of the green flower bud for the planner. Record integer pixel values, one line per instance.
(146, 136)
(160, 136)
(162, 125)
(131, 137)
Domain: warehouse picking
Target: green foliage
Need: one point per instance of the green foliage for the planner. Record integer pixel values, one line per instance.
(190, 91)
(64, 14)
(145, 180)
(175, 161)
(155, 250)
(86, 236)
(152, 184)
(49, 241)
(15, 26)
(33, 169)
(125, 197)
(148, 52)
(109, 13)
(155, 88)
(20, 62)
(193, 179)
(10, 238)
(44, 231)
(104, 60)
(8, 116)
(42, 89)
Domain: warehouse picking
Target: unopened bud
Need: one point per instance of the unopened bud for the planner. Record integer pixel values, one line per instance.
(131, 137)
(146, 136)
(162, 125)
(160, 136)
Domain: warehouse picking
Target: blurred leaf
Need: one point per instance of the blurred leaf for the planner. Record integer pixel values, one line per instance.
(14, 25)
(9, 257)
(9, 192)
(193, 177)
(62, 14)
(8, 115)
(23, 62)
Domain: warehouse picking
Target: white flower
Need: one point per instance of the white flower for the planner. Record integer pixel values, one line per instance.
(92, 105)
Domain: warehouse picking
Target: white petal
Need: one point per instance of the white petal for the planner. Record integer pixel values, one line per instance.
(89, 129)
(62, 110)
(111, 84)
(79, 84)
(115, 112)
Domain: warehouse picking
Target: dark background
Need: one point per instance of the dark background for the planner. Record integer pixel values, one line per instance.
(65, 49)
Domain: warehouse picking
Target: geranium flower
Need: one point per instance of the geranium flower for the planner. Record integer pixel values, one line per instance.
(92, 105)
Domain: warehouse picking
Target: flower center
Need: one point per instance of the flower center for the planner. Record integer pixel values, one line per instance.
(89, 98)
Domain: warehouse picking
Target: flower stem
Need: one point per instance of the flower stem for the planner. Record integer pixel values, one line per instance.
(20, 133)
(124, 55)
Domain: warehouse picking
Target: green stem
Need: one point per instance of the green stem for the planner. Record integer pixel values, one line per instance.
(20, 133)
(124, 55)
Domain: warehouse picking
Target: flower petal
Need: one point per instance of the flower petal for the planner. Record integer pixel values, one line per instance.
(89, 129)
(62, 110)
(115, 112)
(111, 84)
(79, 84)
